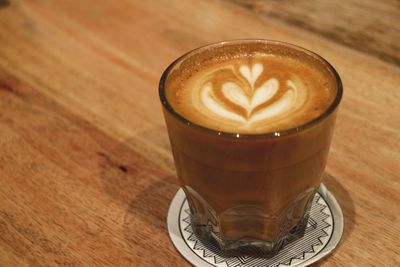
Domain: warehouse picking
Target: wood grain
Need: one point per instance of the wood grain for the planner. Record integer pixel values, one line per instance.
(369, 26)
(86, 173)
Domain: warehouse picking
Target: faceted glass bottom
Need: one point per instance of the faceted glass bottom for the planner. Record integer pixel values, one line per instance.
(268, 248)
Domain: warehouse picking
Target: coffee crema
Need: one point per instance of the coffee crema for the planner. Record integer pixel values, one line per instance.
(250, 93)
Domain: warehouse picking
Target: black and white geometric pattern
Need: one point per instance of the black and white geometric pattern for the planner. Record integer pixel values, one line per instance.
(317, 235)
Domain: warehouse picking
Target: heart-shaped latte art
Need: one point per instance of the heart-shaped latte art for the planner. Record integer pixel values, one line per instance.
(234, 93)
(251, 74)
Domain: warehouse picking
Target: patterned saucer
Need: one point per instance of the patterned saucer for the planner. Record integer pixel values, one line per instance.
(323, 233)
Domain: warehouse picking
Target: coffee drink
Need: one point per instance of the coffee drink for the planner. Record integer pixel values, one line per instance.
(250, 124)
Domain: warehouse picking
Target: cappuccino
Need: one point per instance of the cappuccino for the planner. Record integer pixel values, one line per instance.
(250, 124)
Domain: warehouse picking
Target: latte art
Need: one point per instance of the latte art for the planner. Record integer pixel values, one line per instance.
(250, 98)
(254, 93)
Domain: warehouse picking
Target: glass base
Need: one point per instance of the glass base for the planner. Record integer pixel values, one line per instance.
(267, 248)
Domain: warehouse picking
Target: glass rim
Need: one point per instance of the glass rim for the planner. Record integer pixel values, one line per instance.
(331, 108)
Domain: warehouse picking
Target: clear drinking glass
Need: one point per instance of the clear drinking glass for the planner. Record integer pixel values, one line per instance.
(250, 192)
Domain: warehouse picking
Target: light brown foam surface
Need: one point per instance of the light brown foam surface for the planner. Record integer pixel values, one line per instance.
(251, 93)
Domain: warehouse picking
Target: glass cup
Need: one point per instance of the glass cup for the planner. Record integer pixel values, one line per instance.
(250, 192)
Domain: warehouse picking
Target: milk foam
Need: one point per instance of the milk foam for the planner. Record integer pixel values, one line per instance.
(253, 94)
(236, 94)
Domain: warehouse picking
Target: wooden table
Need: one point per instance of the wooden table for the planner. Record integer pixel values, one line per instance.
(86, 173)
